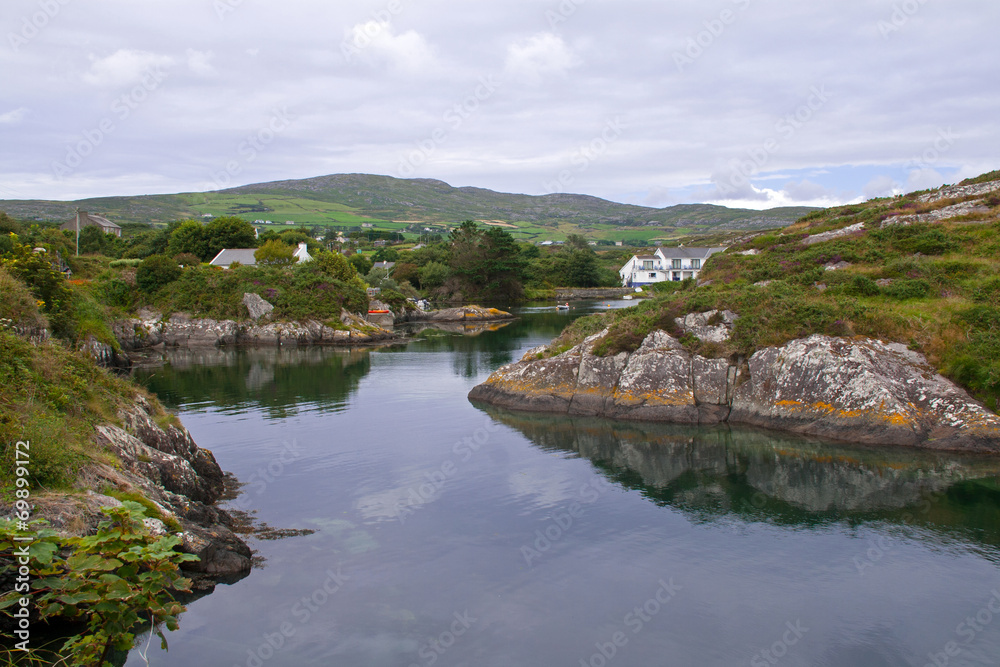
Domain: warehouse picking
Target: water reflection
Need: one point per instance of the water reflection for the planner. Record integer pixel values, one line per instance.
(281, 381)
(754, 475)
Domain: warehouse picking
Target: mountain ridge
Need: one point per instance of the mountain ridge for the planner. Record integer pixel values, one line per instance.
(350, 199)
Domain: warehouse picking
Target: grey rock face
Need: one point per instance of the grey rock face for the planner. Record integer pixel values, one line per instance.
(257, 306)
(712, 326)
(857, 390)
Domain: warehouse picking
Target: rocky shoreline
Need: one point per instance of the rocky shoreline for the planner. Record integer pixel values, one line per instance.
(854, 390)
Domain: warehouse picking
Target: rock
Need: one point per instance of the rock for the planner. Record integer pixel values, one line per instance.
(763, 283)
(835, 234)
(861, 390)
(839, 266)
(257, 306)
(956, 191)
(856, 390)
(820, 286)
(945, 213)
(698, 324)
(883, 282)
(749, 253)
(460, 314)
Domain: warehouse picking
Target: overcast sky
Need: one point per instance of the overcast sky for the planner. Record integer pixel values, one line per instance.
(755, 103)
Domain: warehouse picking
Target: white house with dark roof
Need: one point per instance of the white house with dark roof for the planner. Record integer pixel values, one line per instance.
(673, 264)
(83, 219)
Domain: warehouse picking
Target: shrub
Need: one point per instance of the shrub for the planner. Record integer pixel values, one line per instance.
(275, 253)
(155, 272)
(902, 290)
(335, 265)
(187, 259)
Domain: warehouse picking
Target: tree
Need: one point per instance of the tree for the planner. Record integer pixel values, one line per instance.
(335, 265)
(433, 275)
(228, 231)
(487, 264)
(9, 225)
(361, 263)
(189, 237)
(93, 240)
(275, 253)
(155, 272)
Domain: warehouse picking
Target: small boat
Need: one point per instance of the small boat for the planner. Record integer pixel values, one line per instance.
(628, 297)
(562, 306)
(378, 312)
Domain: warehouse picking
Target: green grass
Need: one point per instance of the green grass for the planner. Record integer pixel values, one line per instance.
(932, 287)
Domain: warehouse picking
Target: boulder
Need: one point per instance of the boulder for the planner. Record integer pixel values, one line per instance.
(257, 306)
(856, 390)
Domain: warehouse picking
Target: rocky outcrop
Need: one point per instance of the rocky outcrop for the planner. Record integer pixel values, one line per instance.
(572, 293)
(946, 213)
(957, 191)
(857, 390)
(835, 234)
(164, 465)
(152, 329)
(460, 314)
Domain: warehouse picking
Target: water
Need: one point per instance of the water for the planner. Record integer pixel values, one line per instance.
(454, 534)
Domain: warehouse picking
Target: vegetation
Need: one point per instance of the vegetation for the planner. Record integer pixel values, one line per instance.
(932, 287)
(112, 583)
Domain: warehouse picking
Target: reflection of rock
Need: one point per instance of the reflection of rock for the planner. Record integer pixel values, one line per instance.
(464, 328)
(856, 390)
(730, 464)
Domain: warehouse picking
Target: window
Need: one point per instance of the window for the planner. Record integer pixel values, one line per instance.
(652, 275)
(676, 263)
(677, 276)
(647, 264)
(696, 264)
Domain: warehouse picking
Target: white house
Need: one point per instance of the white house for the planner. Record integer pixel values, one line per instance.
(302, 254)
(665, 264)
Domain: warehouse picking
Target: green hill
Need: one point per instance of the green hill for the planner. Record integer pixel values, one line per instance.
(920, 269)
(350, 200)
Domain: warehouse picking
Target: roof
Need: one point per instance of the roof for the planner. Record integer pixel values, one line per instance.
(89, 220)
(646, 257)
(384, 265)
(687, 253)
(229, 256)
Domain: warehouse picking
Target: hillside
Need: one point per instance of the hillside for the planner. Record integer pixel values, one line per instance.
(920, 269)
(348, 200)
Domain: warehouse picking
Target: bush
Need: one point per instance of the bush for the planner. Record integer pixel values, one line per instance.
(902, 290)
(187, 259)
(275, 253)
(155, 272)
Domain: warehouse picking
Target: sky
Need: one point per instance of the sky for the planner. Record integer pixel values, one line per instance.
(744, 103)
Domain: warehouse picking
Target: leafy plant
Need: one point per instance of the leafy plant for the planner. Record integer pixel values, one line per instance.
(111, 582)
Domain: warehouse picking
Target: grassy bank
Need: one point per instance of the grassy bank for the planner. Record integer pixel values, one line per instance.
(934, 286)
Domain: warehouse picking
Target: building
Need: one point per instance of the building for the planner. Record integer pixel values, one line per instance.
(89, 220)
(384, 265)
(230, 256)
(302, 253)
(673, 264)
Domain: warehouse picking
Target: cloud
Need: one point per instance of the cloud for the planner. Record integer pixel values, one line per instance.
(881, 186)
(13, 117)
(200, 62)
(806, 190)
(123, 67)
(541, 55)
(923, 179)
(377, 43)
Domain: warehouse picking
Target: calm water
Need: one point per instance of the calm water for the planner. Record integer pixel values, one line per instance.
(454, 534)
